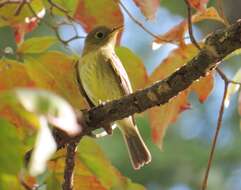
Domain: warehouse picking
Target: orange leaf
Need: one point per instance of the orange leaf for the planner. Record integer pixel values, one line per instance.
(176, 34)
(92, 13)
(148, 7)
(203, 87)
(13, 74)
(161, 117)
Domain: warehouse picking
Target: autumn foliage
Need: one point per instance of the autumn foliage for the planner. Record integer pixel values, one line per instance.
(38, 89)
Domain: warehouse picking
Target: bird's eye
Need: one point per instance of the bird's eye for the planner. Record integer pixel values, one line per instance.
(99, 35)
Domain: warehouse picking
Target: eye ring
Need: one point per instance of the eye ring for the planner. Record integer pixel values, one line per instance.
(99, 35)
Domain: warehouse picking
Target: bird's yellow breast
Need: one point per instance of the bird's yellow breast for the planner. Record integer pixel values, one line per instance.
(98, 78)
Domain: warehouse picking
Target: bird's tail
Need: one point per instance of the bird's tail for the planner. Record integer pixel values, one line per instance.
(138, 152)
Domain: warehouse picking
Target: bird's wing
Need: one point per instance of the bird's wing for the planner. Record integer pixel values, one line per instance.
(121, 74)
(81, 89)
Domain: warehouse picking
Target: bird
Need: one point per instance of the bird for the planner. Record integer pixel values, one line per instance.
(101, 78)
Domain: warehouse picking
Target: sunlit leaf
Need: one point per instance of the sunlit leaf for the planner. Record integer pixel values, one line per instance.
(92, 13)
(55, 71)
(134, 67)
(203, 87)
(37, 45)
(10, 74)
(233, 88)
(162, 117)
(44, 148)
(55, 109)
(148, 7)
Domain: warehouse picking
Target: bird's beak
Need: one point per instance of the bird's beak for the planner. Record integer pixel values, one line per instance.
(116, 30)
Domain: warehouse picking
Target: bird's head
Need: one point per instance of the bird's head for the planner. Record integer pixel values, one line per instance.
(101, 36)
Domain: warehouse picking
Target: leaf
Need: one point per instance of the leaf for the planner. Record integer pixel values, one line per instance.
(55, 71)
(148, 7)
(10, 74)
(200, 5)
(9, 9)
(49, 109)
(68, 6)
(12, 181)
(11, 156)
(92, 13)
(24, 21)
(92, 169)
(203, 87)
(50, 106)
(163, 116)
(233, 88)
(134, 67)
(37, 44)
(176, 34)
(45, 147)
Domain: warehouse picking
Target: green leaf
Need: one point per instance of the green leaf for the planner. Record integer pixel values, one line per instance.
(11, 150)
(134, 67)
(94, 159)
(37, 44)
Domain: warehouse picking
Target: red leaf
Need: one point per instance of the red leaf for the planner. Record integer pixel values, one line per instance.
(148, 7)
(21, 29)
(200, 5)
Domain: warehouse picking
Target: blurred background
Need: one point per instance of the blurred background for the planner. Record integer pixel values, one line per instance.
(182, 162)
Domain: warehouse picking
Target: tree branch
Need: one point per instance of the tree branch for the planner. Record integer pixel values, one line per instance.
(218, 45)
(69, 167)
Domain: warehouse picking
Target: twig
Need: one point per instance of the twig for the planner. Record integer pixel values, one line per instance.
(189, 19)
(19, 8)
(57, 6)
(140, 24)
(3, 3)
(219, 125)
(221, 12)
(69, 167)
(225, 78)
(55, 28)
